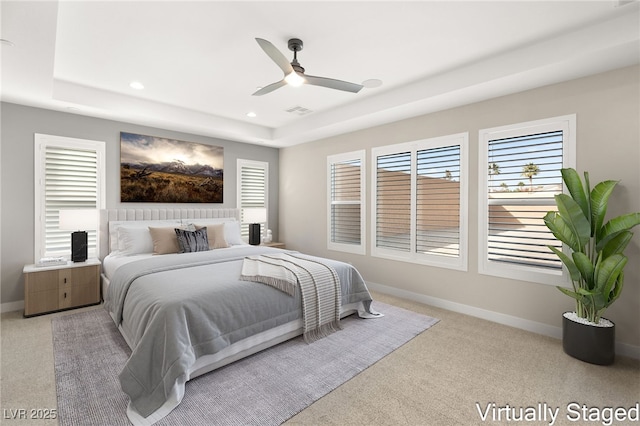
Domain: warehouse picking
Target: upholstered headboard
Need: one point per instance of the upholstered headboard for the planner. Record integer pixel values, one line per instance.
(108, 215)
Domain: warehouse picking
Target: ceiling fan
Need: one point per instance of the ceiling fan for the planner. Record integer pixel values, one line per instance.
(294, 73)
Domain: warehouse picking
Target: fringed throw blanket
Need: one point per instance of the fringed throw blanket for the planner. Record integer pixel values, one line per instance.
(318, 282)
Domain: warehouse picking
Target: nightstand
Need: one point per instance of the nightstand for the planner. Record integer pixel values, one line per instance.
(274, 244)
(55, 288)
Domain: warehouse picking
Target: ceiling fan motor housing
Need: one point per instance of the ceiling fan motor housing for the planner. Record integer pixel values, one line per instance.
(295, 44)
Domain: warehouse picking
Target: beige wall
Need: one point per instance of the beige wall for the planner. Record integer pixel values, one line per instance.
(608, 146)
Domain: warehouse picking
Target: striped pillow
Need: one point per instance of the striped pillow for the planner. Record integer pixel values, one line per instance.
(191, 241)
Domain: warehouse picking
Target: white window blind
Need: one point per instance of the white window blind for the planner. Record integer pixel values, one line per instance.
(393, 201)
(69, 175)
(420, 191)
(253, 187)
(522, 175)
(346, 195)
(520, 195)
(438, 201)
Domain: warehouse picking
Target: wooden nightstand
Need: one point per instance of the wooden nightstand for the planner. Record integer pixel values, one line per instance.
(55, 288)
(274, 244)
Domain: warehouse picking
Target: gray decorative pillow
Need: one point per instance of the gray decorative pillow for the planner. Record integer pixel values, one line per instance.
(190, 241)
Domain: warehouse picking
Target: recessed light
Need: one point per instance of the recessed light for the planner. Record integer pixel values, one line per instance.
(136, 85)
(372, 83)
(251, 114)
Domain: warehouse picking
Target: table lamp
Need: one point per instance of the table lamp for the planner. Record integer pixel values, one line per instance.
(254, 217)
(79, 221)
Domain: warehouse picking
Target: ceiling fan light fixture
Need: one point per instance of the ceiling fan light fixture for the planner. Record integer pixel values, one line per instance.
(294, 72)
(294, 79)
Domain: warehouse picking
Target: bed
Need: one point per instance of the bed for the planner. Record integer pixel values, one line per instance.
(187, 314)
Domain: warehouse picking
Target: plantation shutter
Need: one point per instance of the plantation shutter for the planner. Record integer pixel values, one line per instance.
(346, 193)
(393, 201)
(524, 177)
(252, 187)
(420, 191)
(70, 175)
(438, 201)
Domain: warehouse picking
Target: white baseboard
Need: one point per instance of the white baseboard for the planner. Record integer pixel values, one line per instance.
(12, 306)
(623, 349)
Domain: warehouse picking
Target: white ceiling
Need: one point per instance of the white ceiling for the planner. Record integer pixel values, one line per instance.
(200, 63)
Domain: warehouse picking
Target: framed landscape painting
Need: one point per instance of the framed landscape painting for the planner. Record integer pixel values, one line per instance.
(162, 170)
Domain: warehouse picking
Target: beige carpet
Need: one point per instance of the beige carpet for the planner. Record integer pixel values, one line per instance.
(436, 379)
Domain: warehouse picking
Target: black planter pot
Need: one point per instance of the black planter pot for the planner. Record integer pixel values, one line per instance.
(589, 343)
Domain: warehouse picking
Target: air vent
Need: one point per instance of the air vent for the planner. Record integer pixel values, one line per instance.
(299, 110)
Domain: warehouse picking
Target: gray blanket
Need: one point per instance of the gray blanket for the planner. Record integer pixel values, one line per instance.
(174, 309)
(317, 282)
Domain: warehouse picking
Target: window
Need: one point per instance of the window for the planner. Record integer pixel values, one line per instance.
(346, 202)
(69, 174)
(253, 185)
(420, 192)
(519, 177)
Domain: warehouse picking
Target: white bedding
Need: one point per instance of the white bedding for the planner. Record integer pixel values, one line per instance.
(114, 260)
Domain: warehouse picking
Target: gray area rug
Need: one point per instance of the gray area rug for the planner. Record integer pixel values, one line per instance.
(264, 389)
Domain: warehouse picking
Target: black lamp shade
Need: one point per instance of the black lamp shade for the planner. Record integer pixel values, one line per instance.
(79, 246)
(254, 234)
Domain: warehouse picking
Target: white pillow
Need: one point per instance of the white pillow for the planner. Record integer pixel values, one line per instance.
(115, 243)
(232, 233)
(134, 241)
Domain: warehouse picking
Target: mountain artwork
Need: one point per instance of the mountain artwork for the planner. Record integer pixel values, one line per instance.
(163, 170)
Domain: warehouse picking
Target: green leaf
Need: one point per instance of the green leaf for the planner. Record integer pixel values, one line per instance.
(574, 185)
(612, 290)
(587, 185)
(574, 218)
(566, 260)
(615, 293)
(570, 293)
(584, 265)
(586, 292)
(618, 224)
(599, 201)
(607, 272)
(616, 244)
(561, 231)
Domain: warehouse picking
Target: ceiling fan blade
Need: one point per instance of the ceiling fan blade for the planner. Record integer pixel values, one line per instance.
(275, 55)
(270, 88)
(332, 83)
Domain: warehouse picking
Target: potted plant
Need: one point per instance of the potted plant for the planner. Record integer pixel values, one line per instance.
(595, 264)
